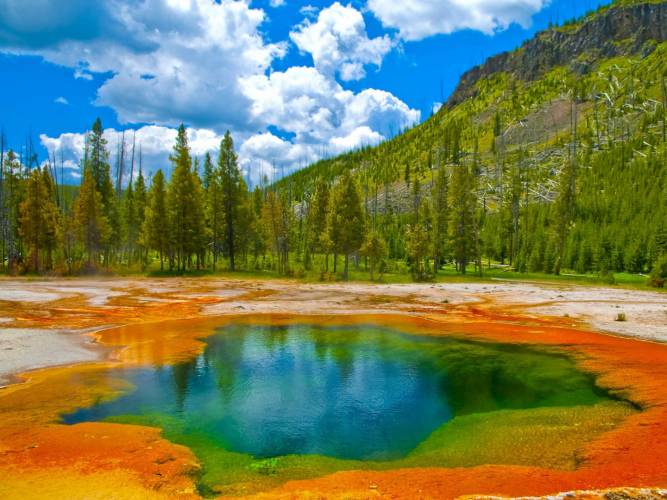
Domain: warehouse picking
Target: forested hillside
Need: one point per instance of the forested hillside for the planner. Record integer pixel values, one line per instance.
(546, 159)
(550, 157)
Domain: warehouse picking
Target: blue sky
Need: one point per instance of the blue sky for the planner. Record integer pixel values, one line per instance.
(293, 80)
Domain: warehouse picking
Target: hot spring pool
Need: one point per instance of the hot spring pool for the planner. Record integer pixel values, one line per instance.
(362, 392)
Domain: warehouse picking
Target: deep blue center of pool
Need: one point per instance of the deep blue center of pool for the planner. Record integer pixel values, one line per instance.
(360, 392)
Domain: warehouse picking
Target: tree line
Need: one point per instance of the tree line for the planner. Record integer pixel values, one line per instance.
(199, 216)
(566, 174)
(587, 195)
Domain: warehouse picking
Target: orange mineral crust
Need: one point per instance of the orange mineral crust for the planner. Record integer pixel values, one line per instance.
(41, 458)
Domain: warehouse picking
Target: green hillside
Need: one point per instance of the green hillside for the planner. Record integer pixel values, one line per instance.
(551, 157)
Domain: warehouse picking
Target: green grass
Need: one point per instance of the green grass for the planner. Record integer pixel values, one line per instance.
(398, 274)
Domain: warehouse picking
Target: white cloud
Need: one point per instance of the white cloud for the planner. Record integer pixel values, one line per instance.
(418, 19)
(379, 110)
(339, 44)
(309, 11)
(314, 108)
(360, 136)
(276, 3)
(207, 64)
(171, 61)
(155, 142)
(300, 100)
(257, 155)
(266, 155)
(320, 117)
(81, 73)
(61, 100)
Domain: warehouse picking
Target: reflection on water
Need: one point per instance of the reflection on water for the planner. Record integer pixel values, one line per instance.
(361, 392)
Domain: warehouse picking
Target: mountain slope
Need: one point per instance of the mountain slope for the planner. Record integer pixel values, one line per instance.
(591, 93)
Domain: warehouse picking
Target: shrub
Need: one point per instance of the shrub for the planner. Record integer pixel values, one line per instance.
(659, 272)
(267, 467)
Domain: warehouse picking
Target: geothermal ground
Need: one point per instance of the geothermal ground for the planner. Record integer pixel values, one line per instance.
(59, 338)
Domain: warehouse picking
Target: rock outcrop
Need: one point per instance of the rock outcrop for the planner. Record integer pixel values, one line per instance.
(613, 32)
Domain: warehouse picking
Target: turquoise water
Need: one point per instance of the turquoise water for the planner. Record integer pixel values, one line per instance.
(354, 392)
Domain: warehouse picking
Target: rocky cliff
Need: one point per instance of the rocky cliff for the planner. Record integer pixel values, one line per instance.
(618, 30)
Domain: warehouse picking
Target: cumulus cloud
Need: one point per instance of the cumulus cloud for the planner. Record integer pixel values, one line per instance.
(206, 63)
(171, 61)
(154, 142)
(267, 156)
(259, 155)
(338, 42)
(316, 109)
(418, 19)
(360, 136)
(61, 100)
(309, 11)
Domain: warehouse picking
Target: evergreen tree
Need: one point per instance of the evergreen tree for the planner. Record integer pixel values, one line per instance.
(52, 218)
(375, 248)
(97, 161)
(39, 218)
(317, 220)
(215, 213)
(565, 210)
(259, 235)
(277, 219)
(440, 206)
(462, 223)
(13, 192)
(92, 224)
(140, 201)
(156, 228)
(418, 248)
(232, 189)
(130, 220)
(185, 206)
(209, 171)
(347, 219)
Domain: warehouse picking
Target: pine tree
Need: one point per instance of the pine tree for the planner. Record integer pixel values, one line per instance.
(317, 220)
(185, 206)
(375, 248)
(209, 171)
(92, 224)
(440, 206)
(13, 194)
(277, 218)
(418, 248)
(39, 218)
(98, 164)
(347, 219)
(232, 189)
(52, 218)
(244, 218)
(197, 219)
(214, 213)
(259, 235)
(462, 223)
(130, 222)
(156, 228)
(565, 207)
(140, 201)
(97, 156)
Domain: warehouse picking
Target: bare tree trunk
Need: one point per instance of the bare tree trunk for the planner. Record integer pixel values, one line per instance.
(347, 265)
